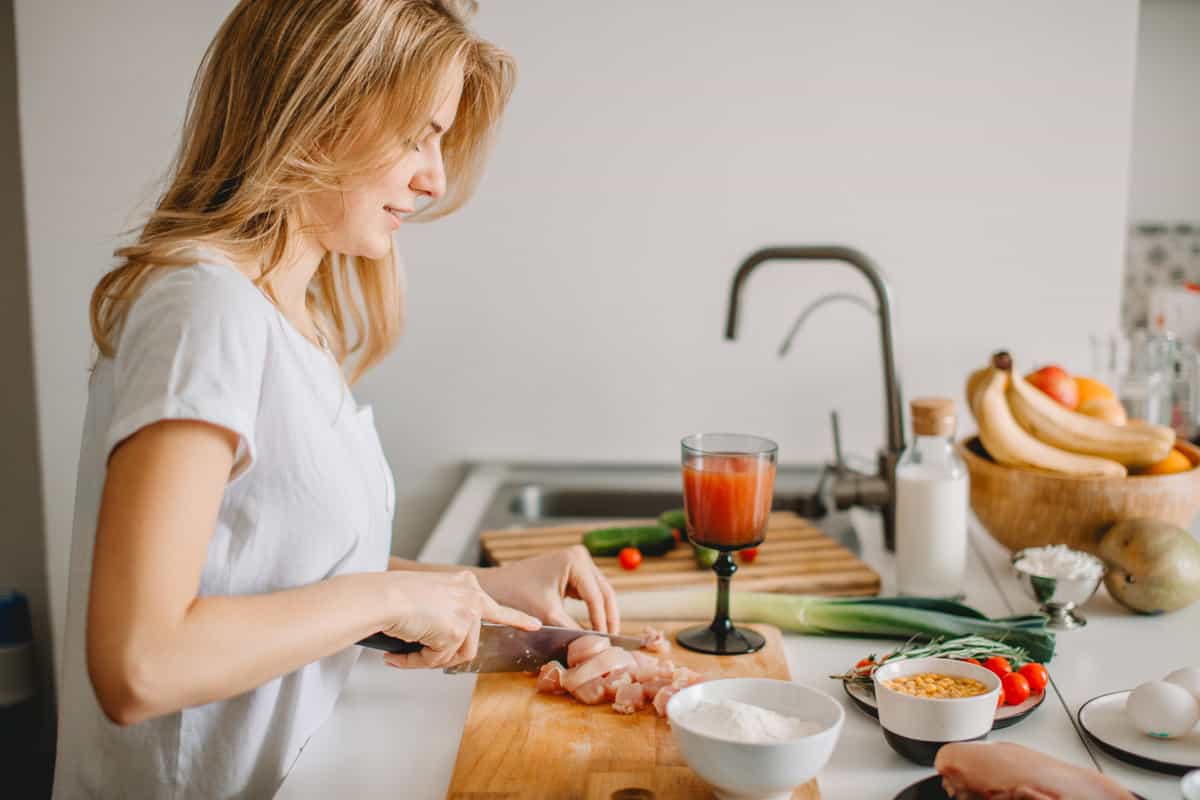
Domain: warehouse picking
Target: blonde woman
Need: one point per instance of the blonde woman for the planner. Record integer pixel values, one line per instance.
(234, 507)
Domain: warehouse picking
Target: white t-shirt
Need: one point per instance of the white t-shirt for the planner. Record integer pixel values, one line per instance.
(311, 496)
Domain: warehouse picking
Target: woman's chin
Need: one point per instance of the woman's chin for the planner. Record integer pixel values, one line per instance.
(374, 250)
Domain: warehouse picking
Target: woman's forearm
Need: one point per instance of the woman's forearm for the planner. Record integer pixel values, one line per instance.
(226, 645)
(397, 563)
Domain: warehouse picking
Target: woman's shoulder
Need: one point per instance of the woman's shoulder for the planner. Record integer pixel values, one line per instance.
(206, 291)
(206, 284)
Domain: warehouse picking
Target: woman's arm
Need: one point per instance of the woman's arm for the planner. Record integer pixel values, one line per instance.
(154, 646)
(538, 585)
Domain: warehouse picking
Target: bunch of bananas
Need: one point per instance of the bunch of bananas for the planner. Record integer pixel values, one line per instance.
(1020, 426)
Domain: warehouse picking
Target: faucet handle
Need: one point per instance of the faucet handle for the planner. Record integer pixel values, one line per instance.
(839, 463)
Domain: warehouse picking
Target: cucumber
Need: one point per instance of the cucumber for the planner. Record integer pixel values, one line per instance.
(674, 518)
(651, 540)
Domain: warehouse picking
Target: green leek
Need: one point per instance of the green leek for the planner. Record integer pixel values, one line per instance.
(878, 617)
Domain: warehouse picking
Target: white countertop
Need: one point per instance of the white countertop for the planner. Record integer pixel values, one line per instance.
(396, 733)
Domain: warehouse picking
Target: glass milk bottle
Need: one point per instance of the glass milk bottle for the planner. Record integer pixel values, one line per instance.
(931, 505)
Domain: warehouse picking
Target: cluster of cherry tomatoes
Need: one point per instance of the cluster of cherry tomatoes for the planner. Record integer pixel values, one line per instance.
(1015, 686)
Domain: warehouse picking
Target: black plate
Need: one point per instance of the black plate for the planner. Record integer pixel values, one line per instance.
(1005, 715)
(931, 789)
(1108, 728)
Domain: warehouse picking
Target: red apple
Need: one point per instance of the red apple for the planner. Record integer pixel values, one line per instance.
(1058, 383)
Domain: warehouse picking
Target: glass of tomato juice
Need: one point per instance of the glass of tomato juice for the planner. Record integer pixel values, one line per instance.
(728, 480)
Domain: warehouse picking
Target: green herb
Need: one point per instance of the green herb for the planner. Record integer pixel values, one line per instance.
(962, 647)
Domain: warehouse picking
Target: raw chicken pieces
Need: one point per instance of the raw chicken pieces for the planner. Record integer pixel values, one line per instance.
(1008, 771)
(598, 672)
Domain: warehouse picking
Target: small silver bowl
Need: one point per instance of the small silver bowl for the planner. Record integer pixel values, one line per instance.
(1058, 598)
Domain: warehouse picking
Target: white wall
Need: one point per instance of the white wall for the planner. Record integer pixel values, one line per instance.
(1165, 172)
(978, 151)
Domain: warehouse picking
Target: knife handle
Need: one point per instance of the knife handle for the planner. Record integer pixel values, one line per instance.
(390, 644)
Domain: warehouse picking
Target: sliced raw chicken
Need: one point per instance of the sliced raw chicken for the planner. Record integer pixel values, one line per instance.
(583, 648)
(597, 666)
(630, 699)
(1007, 771)
(662, 697)
(682, 677)
(654, 641)
(648, 667)
(614, 681)
(550, 677)
(630, 681)
(654, 684)
(591, 692)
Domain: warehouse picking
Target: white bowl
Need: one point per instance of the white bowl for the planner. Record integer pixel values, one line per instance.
(917, 727)
(749, 771)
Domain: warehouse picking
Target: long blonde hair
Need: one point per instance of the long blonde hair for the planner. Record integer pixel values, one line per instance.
(284, 99)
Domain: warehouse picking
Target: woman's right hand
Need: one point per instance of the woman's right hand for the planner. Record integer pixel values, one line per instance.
(442, 610)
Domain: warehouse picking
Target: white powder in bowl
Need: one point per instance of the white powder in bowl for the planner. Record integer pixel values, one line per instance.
(1060, 561)
(743, 722)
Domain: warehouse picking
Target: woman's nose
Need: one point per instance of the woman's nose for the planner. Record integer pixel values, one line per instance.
(430, 178)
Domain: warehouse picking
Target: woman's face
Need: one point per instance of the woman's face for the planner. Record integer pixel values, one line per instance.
(360, 219)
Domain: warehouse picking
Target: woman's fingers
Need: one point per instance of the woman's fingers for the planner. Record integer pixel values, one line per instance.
(589, 592)
(560, 618)
(425, 658)
(611, 608)
(494, 612)
(469, 648)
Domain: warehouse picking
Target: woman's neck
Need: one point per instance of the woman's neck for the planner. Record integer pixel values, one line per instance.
(290, 280)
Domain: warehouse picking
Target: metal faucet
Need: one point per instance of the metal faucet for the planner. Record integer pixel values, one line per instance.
(847, 487)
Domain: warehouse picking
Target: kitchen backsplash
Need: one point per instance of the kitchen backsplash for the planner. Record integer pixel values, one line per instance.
(1159, 255)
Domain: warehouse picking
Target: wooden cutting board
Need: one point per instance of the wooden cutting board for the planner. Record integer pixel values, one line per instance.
(521, 745)
(795, 558)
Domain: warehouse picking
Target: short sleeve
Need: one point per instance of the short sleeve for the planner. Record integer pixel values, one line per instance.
(193, 347)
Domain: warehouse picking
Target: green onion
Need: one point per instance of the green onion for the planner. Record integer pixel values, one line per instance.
(881, 617)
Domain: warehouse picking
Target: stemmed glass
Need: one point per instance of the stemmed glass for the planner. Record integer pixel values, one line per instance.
(728, 480)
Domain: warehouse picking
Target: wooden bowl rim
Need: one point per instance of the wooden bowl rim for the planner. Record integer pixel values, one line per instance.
(1187, 448)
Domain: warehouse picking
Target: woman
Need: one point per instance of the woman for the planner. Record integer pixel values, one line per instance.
(233, 513)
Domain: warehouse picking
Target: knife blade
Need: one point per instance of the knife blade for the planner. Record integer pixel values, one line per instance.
(503, 648)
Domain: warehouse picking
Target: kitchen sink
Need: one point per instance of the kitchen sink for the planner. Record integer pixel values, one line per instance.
(533, 496)
(534, 504)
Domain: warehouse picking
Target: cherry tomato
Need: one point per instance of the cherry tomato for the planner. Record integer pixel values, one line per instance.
(998, 665)
(749, 554)
(864, 664)
(1000, 699)
(1036, 675)
(974, 661)
(1016, 688)
(630, 557)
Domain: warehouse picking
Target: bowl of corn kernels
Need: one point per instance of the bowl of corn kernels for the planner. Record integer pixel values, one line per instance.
(925, 703)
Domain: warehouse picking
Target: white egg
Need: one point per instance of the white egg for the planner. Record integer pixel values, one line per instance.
(1188, 678)
(1162, 710)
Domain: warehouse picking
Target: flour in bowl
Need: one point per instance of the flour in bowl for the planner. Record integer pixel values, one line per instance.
(743, 722)
(1059, 561)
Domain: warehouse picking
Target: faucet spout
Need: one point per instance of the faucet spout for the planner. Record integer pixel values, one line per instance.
(890, 454)
(858, 260)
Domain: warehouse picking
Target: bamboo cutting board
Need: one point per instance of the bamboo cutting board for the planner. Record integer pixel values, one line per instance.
(795, 558)
(521, 745)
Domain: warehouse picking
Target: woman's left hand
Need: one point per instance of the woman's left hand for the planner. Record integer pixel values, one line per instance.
(538, 585)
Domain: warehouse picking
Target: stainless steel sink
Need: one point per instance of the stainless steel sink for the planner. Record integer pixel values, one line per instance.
(541, 505)
(540, 496)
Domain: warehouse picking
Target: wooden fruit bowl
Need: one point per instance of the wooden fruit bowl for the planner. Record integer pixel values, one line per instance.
(1030, 508)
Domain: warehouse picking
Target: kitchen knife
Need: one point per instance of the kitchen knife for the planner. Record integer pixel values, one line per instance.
(503, 648)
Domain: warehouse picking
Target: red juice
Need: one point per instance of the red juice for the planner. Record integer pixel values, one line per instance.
(727, 499)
